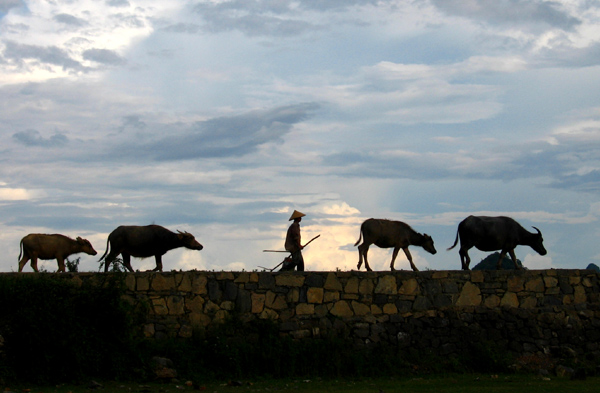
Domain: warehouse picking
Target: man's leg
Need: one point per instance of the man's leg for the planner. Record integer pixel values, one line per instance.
(298, 260)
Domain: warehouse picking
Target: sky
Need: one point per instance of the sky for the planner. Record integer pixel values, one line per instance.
(222, 117)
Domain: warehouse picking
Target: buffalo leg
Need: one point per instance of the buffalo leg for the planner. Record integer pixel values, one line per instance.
(110, 258)
(464, 258)
(159, 266)
(363, 249)
(61, 264)
(409, 257)
(360, 259)
(127, 261)
(394, 255)
(23, 262)
(514, 258)
(34, 263)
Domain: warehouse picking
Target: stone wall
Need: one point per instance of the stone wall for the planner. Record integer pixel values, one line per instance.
(441, 312)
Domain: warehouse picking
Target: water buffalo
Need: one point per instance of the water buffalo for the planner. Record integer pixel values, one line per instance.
(59, 247)
(386, 234)
(495, 233)
(144, 242)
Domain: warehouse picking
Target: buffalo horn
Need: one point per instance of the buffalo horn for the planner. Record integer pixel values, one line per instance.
(538, 231)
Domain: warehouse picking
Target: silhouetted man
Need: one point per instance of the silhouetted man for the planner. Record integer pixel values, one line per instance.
(293, 245)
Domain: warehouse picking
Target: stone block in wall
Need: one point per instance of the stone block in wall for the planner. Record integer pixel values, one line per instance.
(267, 313)
(315, 295)
(258, 302)
(315, 280)
(350, 296)
(366, 286)
(221, 276)
(199, 282)
(515, 283)
(163, 282)
(195, 304)
(266, 281)
(275, 301)
(360, 309)
(129, 282)
(332, 283)
(404, 306)
(509, 299)
(183, 282)
(293, 295)
(375, 309)
(211, 308)
(143, 282)
(305, 309)
(492, 301)
(529, 302)
(476, 276)
(243, 302)
(331, 296)
(215, 294)
(536, 284)
(390, 308)
(409, 287)
(386, 285)
(289, 280)
(341, 309)
(442, 301)
(450, 287)
(469, 296)
(175, 304)
(551, 282)
(579, 294)
(220, 316)
(199, 320)
(227, 305)
(352, 285)
(149, 330)
(185, 331)
(230, 290)
(321, 310)
(159, 306)
(421, 303)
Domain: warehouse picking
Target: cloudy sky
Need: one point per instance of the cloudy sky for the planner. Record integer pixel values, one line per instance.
(221, 117)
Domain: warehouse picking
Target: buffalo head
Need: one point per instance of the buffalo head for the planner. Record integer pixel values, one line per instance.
(189, 241)
(537, 243)
(428, 244)
(86, 246)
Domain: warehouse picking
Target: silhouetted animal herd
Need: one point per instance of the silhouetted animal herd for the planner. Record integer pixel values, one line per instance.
(484, 233)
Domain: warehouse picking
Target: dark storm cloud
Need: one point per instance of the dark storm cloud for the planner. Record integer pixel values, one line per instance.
(523, 13)
(34, 138)
(230, 136)
(103, 56)
(70, 20)
(17, 53)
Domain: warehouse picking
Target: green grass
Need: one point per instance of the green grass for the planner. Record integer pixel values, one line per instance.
(463, 383)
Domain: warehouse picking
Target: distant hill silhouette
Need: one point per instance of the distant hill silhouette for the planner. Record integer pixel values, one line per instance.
(490, 262)
(593, 266)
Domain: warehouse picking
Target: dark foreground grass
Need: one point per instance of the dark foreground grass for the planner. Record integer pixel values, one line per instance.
(463, 383)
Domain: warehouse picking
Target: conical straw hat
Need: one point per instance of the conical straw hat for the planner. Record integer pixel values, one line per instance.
(296, 214)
